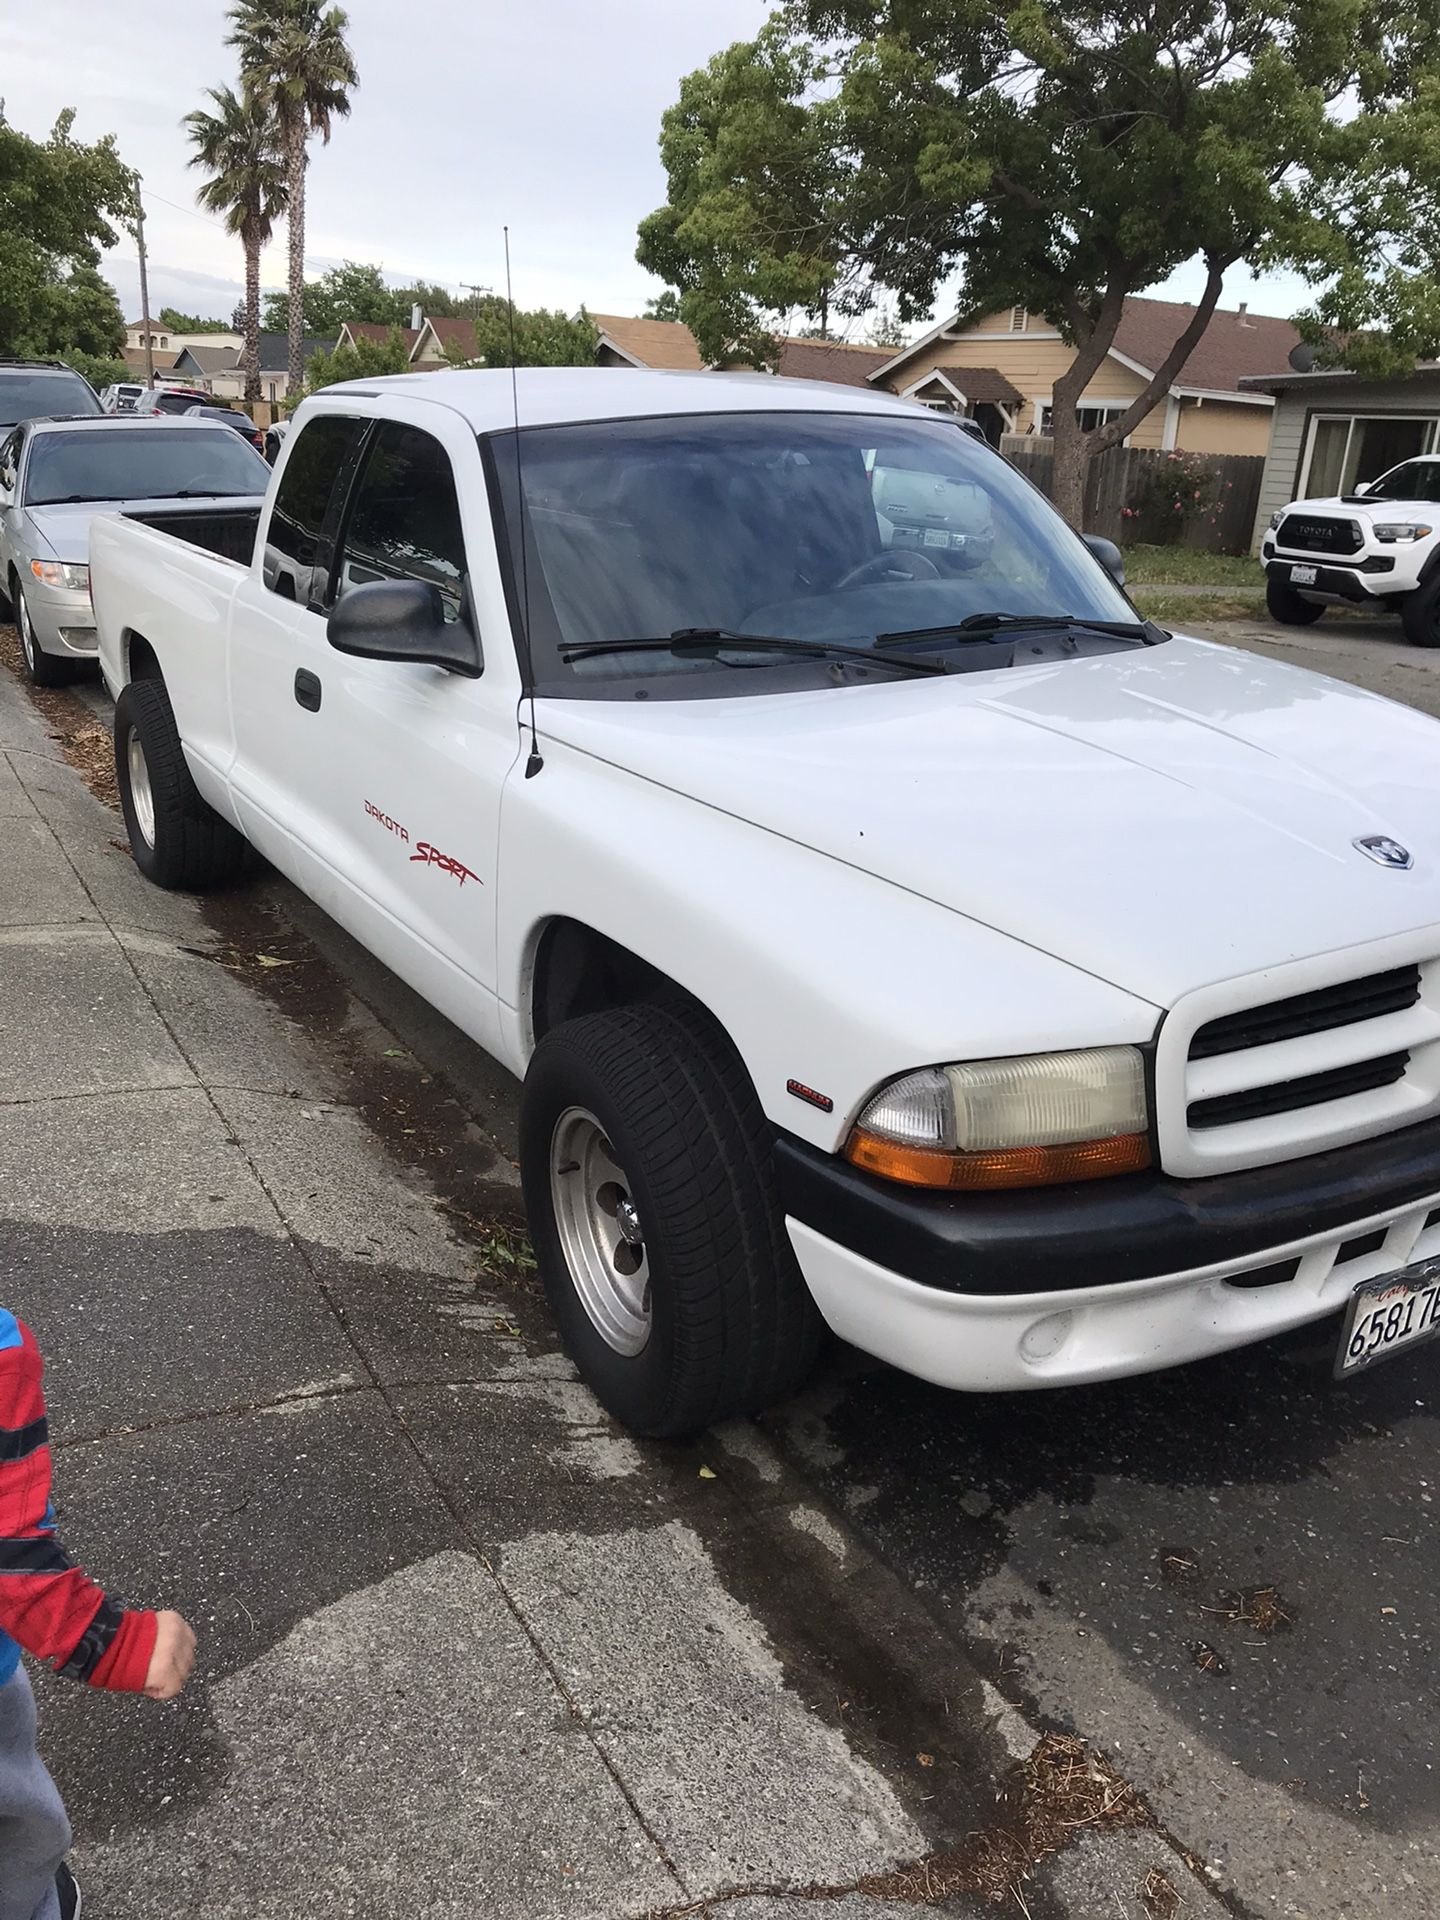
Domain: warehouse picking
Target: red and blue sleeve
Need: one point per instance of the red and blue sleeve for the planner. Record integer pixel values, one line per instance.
(47, 1603)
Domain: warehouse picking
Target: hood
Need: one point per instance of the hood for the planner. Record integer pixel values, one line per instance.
(1162, 818)
(66, 529)
(1362, 507)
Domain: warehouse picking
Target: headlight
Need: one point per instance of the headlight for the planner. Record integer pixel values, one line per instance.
(60, 573)
(1277, 517)
(1399, 530)
(1033, 1121)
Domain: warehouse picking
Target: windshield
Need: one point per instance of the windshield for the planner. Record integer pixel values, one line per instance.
(141, 463)
(1412, 480)
(34, 396)
(827, 527)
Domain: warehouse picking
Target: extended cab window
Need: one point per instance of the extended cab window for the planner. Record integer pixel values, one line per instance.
(295, 565)
(405, 520)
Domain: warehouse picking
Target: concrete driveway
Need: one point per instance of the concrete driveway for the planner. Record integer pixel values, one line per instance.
(465, 1648)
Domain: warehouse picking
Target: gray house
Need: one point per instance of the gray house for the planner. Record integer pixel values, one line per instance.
(1332, 429)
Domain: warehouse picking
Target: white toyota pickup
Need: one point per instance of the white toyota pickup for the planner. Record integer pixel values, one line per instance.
(1378, 547)
(1075, 1018)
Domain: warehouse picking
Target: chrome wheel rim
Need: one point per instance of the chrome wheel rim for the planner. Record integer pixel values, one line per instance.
(601, 1233)
(142, 798)
(27, 632)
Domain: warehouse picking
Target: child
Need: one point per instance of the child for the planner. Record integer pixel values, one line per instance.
(49, 1607)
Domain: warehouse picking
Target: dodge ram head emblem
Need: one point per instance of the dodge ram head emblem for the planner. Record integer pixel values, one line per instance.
(1386, 852)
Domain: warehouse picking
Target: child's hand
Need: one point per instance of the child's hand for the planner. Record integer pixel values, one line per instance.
(173, 1659)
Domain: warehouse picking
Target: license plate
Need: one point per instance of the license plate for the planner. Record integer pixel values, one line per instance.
(1302, 576)
(1397, 1311)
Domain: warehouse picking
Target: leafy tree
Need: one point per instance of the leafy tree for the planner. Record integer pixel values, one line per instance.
(664, 306)
(82, 312)
(542, 337)
(296, 67)
(178, 322)
(101, 370)
(365, 360)
(1063, 153)
(237, 146)
(357, 292)
(60, 203)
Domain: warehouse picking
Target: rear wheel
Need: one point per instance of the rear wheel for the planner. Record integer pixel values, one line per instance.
(41, 668)
(1420, 615)
(1287, 607)
(646, 1166)
(177, 838)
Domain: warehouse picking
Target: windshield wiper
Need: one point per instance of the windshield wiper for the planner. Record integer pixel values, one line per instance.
(980, 626)
(710, 642)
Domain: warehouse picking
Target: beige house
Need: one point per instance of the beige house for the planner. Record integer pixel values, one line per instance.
(163, 340)
(1001, 370)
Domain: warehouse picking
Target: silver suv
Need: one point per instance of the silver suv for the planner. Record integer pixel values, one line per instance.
(38, 389)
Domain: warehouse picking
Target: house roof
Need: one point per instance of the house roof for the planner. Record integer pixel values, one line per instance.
(379, 333)
(650, 343)
(211, 359)
(837, 360)
(1235, 347)
(978, 384)
(456, 332)
(275, 350)
(1321, 376)
(134, 358)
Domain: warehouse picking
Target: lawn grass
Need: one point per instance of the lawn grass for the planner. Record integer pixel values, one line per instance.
(1187, 567)
(1184, 609)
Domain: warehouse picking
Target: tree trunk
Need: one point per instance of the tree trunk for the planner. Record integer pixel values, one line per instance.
(1070, 465)
(295, 223)
(250, 359)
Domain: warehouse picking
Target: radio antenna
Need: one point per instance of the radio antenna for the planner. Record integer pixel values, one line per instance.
(534, 763)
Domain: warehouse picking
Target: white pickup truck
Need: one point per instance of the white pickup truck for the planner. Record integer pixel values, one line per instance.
(1075, 1018)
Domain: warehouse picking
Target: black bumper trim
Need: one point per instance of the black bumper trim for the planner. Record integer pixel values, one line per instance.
(1132, 1228)
(1341, 580)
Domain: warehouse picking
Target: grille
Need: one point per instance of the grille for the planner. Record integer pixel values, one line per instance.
(1305, 533)
(1305, 1013)
(1310, 1090)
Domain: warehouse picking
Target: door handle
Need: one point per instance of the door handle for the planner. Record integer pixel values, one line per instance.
(307, 689)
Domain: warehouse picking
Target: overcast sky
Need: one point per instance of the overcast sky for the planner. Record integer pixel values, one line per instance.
(545, 115)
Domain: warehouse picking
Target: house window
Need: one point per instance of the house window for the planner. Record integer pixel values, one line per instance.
(1088, 417)
(1019, 319)
(1345, 449)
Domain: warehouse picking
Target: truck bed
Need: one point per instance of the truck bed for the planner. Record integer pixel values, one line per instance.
(229, 532)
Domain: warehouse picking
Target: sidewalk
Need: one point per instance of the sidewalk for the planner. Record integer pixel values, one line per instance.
(465, 1647)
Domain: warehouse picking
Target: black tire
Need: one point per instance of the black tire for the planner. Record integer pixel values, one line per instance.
(1287, 607)
(192, 848)
(1420, 615)
(41, 669)
(733, 1326)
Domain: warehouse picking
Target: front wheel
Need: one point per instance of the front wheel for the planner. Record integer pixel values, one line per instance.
(1288, 607)
(1420, 616)
(647, 1173)
(41, 669)
(177, 838)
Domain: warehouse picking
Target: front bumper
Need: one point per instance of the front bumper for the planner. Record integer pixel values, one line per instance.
(63, 620)
(1064, 1285)
(1341, 580)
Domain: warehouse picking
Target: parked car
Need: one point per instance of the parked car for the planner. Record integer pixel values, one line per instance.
(55, 476)
(945, 954)
(1378, 546)
(170, 400)
(34, 389)
(230, 417)
(122, 397)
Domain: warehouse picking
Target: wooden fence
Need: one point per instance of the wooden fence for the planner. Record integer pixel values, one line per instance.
(1122, 484)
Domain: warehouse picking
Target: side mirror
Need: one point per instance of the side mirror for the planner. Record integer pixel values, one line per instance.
(1109, 556)
(402, 620)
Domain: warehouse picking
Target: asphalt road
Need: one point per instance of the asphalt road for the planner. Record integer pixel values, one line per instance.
(1223, 1578)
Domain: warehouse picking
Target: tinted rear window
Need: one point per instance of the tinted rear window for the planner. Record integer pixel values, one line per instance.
(34, 395)
(141, 463)
(293, 564)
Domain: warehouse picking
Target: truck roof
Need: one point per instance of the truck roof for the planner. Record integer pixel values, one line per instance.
(550, 396)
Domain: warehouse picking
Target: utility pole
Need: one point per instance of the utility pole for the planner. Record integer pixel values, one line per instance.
(144, 287)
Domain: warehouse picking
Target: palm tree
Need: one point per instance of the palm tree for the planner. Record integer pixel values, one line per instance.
(296, 66)
(237, 146)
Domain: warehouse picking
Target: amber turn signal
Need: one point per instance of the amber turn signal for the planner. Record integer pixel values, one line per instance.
(998, 1167)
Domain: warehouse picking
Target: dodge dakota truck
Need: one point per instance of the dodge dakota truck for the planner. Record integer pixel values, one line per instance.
(1074, 1018)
